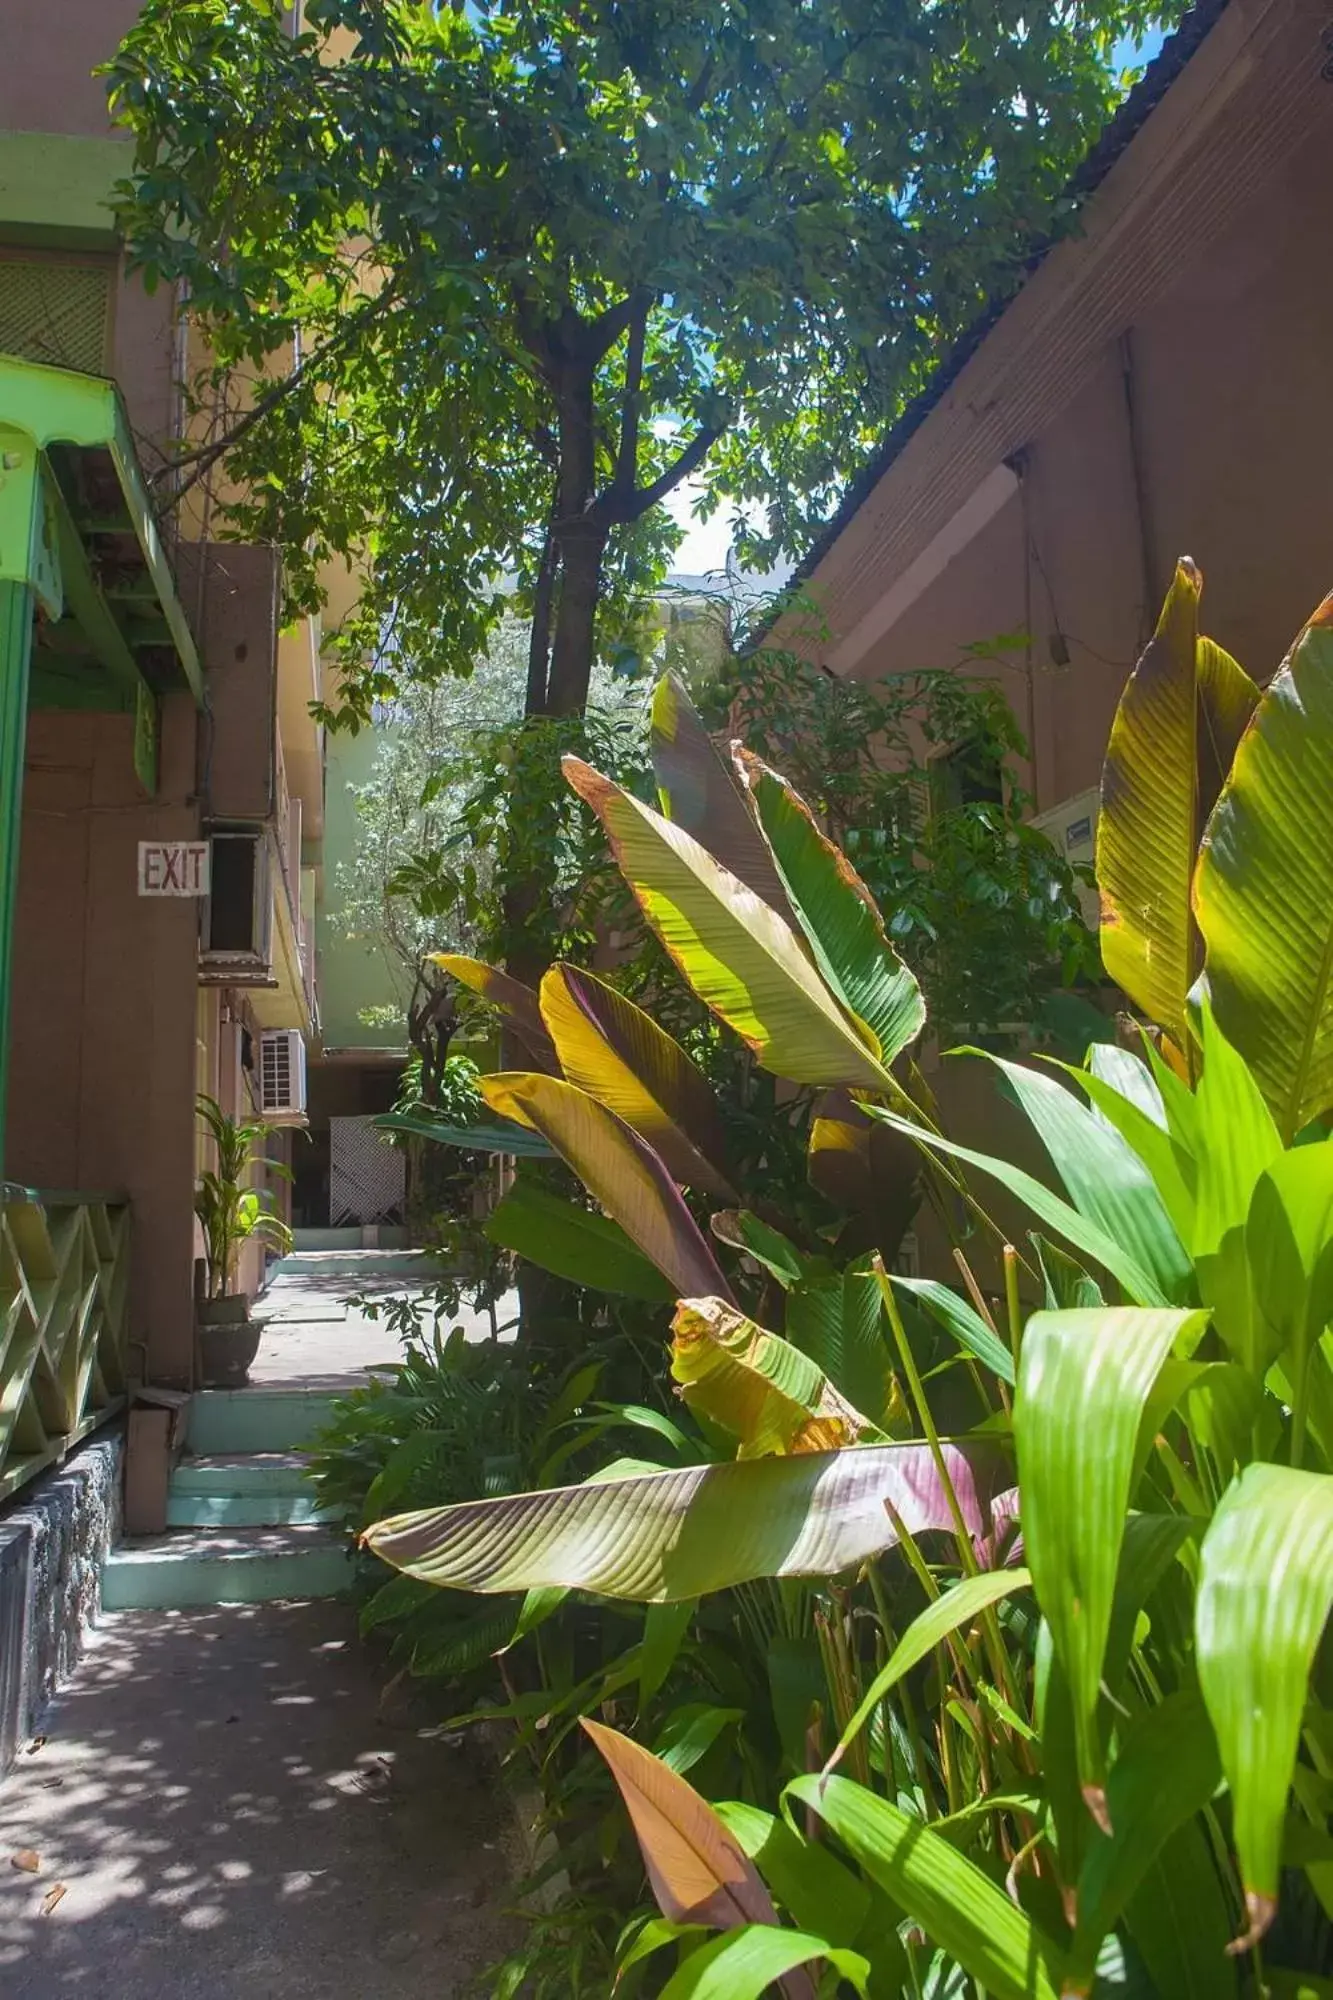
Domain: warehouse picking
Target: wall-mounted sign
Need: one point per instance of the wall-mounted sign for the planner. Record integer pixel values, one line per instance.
(173, 867)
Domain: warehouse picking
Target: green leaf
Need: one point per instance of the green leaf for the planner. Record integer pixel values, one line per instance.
(689, 1733)
(1263, 893)
(943, 1615)
(619, 1169)
(664, 1630)
(1122, 1090)
(838, 915)
(839, 1322)
(1235, 1141)
(700, 792)
(1176, 726)
(863, 1168)
(740, 958)
(1265, 1586)
(958, 1907)
(574, 1243)
(619, 1055)
(657, 1536)
(1051, 1208)
(1103, 1176)
(517, 1002)
(810, 1884)
(770, 1395)
(1180, 1919)
(1289, 1247)
(960, 1319)
(1167, 1769)
(499, 1135)
(768, 1246)
(743, 1964)
(1084, 1380)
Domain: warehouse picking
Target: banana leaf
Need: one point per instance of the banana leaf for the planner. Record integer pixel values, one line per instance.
(766, 1392)
(1175, 731)
(838, 914)
(573, 1243)
(1263, 892)
(862, 1167)
(699, 791)
(741, 959)
(517, 1002)
(619, 1169)
(655, 1537)
(495, 1135)
(839, 1322)
(619, 1055)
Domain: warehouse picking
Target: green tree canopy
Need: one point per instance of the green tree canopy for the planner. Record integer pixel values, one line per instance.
(537, 262)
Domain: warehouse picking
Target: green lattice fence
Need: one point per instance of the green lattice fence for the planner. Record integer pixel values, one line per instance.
(64, 1277)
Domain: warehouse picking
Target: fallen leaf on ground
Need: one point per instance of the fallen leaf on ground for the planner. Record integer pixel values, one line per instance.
(27, 1859)
(52, 1897)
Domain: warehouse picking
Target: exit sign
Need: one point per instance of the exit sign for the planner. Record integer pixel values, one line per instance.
(173, 867)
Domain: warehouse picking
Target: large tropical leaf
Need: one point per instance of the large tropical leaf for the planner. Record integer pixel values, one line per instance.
(1263, 893)
(699, 791)
(740, 958)
(1123, 1091)
(838, 914)
(1103, 1176)
(657, 1536)
(699, 1872)
(619, 1055)
(1058, 1214)
(769, 1394)
(517, 1002)
(1265, 1587)
(1180, 1918)
(839, 1322)
(619, 1169)
(1177, 725)
(1235, 1141)
(958, 1907)
(1166, 1771)
(1289, 1247)
(1084, 1380)
(491, 1135)
(862, 1167)
(572, 1242)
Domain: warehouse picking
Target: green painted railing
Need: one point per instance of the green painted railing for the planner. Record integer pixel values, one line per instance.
(64, 1281)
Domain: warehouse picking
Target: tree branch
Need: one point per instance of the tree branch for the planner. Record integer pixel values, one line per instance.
(611, 508)
(627, 458)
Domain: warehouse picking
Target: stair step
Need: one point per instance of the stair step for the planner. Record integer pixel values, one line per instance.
(258, 1509)
(242, 1472)
(244, 1421)
(238, 1566)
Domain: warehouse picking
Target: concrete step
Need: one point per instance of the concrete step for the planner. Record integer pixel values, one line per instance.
(267, 1490)
(242, 1421)
(237, 1566)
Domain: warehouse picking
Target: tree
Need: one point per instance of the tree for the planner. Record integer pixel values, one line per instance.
(483, 284)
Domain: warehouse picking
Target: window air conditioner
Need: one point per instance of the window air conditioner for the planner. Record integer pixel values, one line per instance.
(282, 1092)
(1071, 827)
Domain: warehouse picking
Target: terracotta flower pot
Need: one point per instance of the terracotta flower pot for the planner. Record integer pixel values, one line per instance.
(228, 1341)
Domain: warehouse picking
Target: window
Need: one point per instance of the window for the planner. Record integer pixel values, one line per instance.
(968, 775)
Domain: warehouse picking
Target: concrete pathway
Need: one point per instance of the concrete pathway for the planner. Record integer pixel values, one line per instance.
(314, 1339)
(234, 1813)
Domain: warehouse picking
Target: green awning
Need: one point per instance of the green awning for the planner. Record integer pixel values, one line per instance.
(77, 524)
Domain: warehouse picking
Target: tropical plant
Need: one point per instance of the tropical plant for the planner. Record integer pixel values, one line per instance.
(1130, 1787)
(231, 1212)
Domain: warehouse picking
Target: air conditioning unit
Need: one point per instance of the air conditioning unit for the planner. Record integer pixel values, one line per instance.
(1072, 828)
(282, 1093)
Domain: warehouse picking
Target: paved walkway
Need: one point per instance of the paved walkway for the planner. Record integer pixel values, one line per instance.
(234, 1815)
(314, 1339)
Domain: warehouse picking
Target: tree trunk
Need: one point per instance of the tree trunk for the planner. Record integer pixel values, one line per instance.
(581, 552)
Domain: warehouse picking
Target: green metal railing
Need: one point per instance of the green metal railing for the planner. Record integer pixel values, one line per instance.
(64, 1280)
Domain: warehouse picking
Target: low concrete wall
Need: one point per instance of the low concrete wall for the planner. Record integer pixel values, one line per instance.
(53, 1542)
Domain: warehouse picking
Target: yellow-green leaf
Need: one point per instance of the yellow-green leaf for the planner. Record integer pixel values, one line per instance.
(1177, 724)
(619, 1055)
(739, 956)
(1263, 893)
(700, 792)
(758, 1386)
(1265, 1587)
(517, 1002)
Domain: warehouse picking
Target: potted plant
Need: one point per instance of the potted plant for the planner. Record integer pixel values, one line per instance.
(231, 1213)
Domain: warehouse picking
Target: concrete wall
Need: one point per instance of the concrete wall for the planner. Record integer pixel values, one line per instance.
(354, 975)
(102, 1071)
